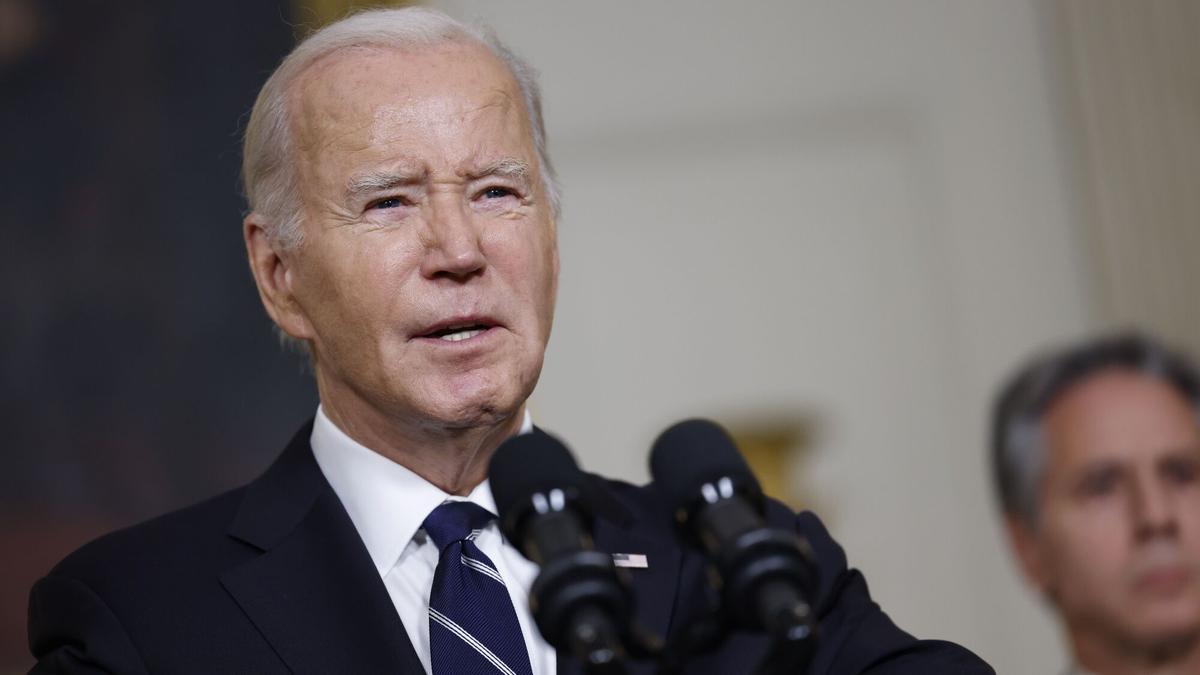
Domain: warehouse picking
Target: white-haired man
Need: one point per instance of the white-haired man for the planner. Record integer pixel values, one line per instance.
(402, 227)
(1096, 449)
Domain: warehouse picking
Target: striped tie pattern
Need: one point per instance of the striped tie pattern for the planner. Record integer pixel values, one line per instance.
(473, 629)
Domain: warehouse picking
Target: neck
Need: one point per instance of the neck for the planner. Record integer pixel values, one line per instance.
(1111, 655)
(455, 459)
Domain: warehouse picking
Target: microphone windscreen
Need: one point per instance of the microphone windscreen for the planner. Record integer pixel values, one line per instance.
(529, 463)
(692, 453)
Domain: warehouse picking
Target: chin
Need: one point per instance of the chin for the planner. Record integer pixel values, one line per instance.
(1168, 623)
(475, 417)
(480, 398)
(476, 409)
(1175, 617)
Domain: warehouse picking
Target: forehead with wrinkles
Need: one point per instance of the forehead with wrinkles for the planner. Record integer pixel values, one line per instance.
(356, 100)
(1119, 414)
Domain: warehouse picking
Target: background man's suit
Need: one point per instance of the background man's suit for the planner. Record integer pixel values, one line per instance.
(273, 577)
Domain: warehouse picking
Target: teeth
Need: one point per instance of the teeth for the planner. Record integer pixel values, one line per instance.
(462, 335)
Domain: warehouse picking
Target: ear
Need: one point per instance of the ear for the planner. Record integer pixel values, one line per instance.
(1027, 550)
(271, 267)
(554, 262)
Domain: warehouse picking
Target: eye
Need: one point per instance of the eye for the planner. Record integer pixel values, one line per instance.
(1100, 482)
(1180, 470)
(388, 203)
(497, 192)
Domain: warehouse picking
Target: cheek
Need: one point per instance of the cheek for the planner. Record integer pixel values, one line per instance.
(1189, 524)
(526, 258)
(1087, 551)
(353, 287)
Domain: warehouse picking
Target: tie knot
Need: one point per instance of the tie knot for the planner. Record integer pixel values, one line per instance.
(454, 521)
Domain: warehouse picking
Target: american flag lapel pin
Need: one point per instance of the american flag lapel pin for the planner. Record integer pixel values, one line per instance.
(632, 560)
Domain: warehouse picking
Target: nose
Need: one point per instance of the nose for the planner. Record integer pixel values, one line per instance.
(1154, 508)
(451, 239)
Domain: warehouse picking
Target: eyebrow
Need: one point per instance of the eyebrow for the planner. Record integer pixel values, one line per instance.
(386, 179)
(513, 169)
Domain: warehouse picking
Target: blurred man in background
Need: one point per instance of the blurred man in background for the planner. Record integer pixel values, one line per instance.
(1096, 452)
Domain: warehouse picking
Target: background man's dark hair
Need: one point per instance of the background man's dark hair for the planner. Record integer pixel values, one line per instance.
(1018, 449)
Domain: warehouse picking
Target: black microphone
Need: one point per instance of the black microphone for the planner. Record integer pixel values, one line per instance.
(767, 575)
(578, 600)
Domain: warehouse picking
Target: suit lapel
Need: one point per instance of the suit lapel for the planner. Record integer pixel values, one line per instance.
(317, 599)
(313, 592)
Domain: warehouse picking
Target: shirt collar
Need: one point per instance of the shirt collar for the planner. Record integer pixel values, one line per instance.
(386, 501)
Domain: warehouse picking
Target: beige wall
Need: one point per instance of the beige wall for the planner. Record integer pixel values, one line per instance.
(861, 213)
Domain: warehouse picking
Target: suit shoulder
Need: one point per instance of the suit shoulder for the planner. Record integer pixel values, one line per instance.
(186, 537)
(625, 503)
(645, 503)
(857, 635)
(634, 496)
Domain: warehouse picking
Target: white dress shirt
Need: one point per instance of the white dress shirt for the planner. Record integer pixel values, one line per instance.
(387, 504)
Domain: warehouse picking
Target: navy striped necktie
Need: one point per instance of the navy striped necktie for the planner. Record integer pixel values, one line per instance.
(472, 626)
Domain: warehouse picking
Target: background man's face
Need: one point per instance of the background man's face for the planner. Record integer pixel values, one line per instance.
(427, 278)
(1117, 545)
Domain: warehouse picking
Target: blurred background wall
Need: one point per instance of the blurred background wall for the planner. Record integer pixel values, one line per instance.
(831, 225)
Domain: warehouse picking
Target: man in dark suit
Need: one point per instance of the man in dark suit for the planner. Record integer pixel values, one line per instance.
(402, 228)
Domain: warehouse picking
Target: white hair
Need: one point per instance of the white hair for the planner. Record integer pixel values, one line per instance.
(268, 175)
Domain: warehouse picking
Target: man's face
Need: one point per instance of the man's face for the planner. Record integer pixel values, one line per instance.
(1117, 543)
(427, 277)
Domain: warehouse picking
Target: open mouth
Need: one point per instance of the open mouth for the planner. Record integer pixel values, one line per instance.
(458, 332)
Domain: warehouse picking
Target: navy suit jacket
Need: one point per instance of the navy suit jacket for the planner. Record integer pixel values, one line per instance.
(273, 578)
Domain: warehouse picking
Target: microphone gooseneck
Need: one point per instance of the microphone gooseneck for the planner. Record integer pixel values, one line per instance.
(579, 602)
(767, 575)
